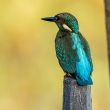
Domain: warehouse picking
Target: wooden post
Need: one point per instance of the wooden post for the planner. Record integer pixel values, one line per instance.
(76, 97)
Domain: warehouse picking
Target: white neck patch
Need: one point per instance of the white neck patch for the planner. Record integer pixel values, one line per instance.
(66, 27)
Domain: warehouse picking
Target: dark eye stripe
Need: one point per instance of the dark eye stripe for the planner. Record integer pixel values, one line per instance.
(58, 18)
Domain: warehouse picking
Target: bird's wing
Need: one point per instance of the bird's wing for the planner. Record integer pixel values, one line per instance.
(71, 53)
(86, 49)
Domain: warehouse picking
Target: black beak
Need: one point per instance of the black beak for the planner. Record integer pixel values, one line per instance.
(51, 19)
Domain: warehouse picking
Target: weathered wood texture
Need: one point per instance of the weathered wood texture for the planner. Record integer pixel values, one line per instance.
(107, 13)
(76, 97)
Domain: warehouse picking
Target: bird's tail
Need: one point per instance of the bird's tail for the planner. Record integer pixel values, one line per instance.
(83, 82)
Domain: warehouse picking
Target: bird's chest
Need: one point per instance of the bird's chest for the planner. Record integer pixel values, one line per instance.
(63, 47)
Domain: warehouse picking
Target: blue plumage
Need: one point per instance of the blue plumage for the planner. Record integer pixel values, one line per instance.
(83, 66)
(72, 49)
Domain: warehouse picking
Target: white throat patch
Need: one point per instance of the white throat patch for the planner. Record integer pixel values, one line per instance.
(66, 27)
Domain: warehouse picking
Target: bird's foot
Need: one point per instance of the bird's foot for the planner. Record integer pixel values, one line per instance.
(67, 75)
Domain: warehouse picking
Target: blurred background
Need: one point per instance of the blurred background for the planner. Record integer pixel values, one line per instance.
(30, 76)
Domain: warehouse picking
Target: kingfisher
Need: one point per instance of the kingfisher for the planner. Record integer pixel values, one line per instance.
(72, 49)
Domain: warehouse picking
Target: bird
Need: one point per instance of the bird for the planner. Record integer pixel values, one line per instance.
(72, 49)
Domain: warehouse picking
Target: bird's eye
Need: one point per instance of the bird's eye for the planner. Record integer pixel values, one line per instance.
(57, 18)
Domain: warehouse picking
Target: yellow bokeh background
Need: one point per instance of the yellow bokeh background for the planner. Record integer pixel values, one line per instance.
(30, 76)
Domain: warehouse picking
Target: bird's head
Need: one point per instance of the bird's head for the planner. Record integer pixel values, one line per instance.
(65, 21)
